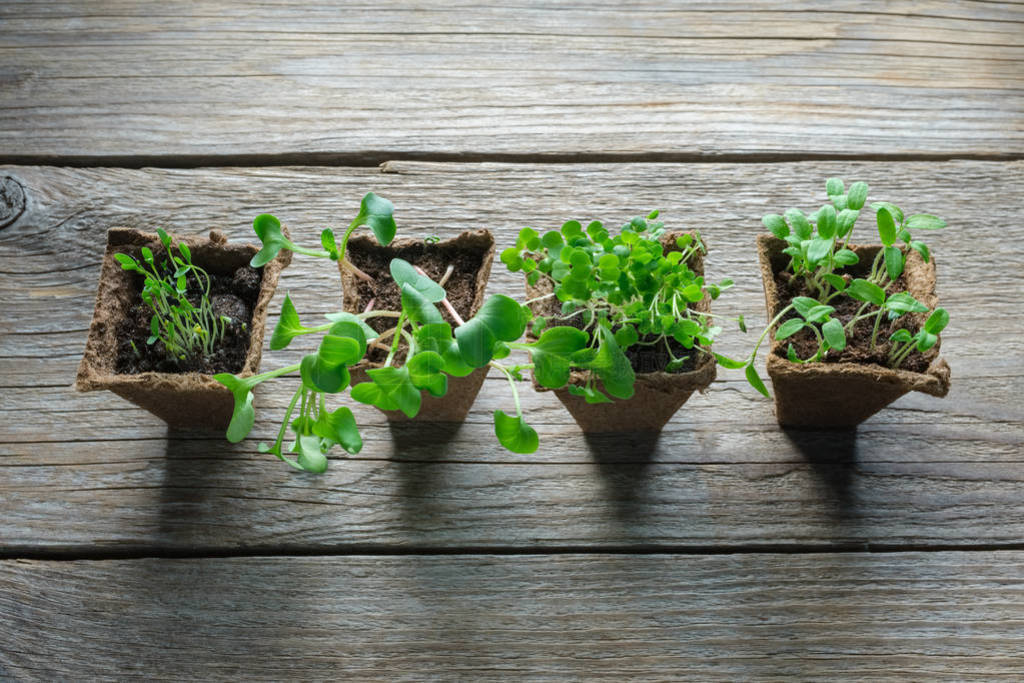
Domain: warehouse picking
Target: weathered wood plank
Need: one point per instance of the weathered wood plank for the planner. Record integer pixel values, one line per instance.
(935, 616)
(87, 472)
(155, 496)
(195, 81)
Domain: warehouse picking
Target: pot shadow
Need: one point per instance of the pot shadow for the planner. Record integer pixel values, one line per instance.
(832, 456)
(421, 451)
(196, 466)
(622, 460)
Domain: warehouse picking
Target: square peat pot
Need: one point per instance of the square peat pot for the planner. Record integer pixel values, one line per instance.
(183, 400)
(470, 254)
(842, 395)
(658, 395)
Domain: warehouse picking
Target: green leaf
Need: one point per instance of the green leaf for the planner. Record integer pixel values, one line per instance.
(819, 249)
(589, 394)
(126, 261)
(389, 389)
(572, 229)
(846, 257)
(886, 226)
(827, 221)
(268, 229)
(845, 221)
(612, 366)
(901, 335)
(512, 260)
(801, 226)
(626, 336)
(926, 340)
(310, 456)
(789, 328)
(552, 355)
(896, 212)
(893, 262)
(729, 363)
(376, 212)
(322, 376)
(921, 248)
(418, 307)
(514, 434)
(500, 319)
(327, 240)
(244, 415)
(837, 282)
(834, 186)
(791, 354)
(344, 316)
(834, 334)
(755, 380)
(925, 221)
(937, 321)
(288, 326)
(857, 195)
(425, 372)
(528, 239)
(776, 224)
(862, 290)
(902, 302)
(819, 313)
(804, 304)
(340, 428)
(552, 239)
(404, 273)
(437, 337)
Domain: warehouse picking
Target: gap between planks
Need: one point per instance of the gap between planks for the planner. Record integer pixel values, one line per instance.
(384, 158)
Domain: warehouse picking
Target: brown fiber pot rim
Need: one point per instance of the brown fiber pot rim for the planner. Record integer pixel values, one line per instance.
(481, 241)
(697, 379)
(921, 278)
(114, 294)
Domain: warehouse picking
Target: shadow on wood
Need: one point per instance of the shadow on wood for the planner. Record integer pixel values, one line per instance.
(832, 455)
(623, 459)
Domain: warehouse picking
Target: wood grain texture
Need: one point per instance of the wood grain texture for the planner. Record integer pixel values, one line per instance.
(90, 473)
(935, 616)
(118, 82)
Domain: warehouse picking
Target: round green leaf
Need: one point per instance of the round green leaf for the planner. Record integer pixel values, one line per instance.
(514, 434)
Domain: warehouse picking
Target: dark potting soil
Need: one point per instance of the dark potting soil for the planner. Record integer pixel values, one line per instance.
(434, 261)
(643, 356)
(231, 294)
(858, 345)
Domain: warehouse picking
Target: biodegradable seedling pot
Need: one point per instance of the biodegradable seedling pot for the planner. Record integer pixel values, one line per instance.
(657, 395)
(186, 400)
(472, 252)
(842, 395)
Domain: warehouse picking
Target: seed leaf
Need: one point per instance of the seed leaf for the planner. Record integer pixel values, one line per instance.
(857, 195)
(514, 434)
(893, 262)
(834, 334)
(405, 274)
(425, 372)
(937, 321)
(776, 224)
(376, 212)
(869, 292)
(288, 326)
(612, 366)
(310, 457)
(418, 307)
(789, 328)
(500, 319)
(925, 221)
(437, 337)
(268, 229)
(902, 302)
(389, 388)
(846, 257)
(244, 415)
(320, 375)
(552, 355)
(340, 428)
(886, 226)
(755, 380)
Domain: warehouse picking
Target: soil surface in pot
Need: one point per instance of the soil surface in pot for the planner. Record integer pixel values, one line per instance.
(858, 345)
(643, 356)
(434, 261)
(231, 294)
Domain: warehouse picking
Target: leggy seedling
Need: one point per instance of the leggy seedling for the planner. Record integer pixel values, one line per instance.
(819, 256)
(185, 329)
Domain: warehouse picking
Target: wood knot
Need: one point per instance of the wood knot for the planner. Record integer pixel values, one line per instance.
(217, 237)
(12, 201)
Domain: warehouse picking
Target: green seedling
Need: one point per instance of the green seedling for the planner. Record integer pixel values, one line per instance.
(614, 292)
(187, 330)
(817, 246)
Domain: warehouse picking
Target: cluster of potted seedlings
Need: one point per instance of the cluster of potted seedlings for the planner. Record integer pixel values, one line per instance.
(618, 325)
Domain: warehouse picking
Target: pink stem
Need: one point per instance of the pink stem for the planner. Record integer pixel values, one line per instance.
(369, 305)
(444, 302)
(355, 271)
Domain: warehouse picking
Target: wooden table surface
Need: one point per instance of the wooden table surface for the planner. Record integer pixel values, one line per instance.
(724, 549)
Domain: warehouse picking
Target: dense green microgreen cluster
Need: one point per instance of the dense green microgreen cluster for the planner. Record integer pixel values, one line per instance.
(817, 245)
(614, 292)
(186, 330)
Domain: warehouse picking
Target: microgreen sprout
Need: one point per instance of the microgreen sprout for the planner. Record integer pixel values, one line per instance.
(613, 293)
(818, 250)
(185, 329)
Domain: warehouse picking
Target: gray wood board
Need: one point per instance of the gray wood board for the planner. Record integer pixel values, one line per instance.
(934, 616)
(120, 83)
(86, 473)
